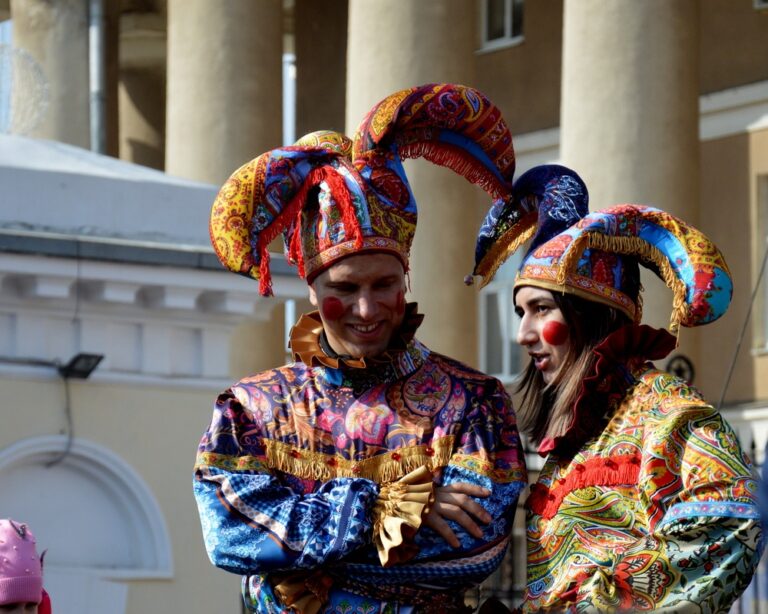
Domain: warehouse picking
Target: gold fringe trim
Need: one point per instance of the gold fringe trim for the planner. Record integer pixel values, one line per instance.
(230, 463)
(629, 246)
(571, 289)
(506, 245)
(485, 467)
(383, 468)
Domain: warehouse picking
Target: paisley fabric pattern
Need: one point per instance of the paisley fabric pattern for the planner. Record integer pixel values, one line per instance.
(596, 255)
(657, 512)
(331, 197)
(289, 473)
(546, 200)
(689, 263)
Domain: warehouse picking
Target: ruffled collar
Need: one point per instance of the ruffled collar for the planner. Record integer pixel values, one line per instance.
(307, 341)
(618, 357)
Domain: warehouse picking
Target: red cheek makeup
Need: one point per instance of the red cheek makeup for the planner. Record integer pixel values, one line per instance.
(555, 333)
(332, 308)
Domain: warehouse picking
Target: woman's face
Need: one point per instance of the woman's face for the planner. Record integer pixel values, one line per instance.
(543, 330)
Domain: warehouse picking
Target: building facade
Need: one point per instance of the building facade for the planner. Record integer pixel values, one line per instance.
(654, 102)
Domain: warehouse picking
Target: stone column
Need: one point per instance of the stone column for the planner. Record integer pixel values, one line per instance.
(425, 41)
(321, 51)
(55, 35)
(142, 89)
(630, 114)
(224, 102)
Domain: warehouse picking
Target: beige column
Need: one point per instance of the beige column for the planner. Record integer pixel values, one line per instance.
(630, 115)
(321, 52)
(425, 41)
(224, 102)
(55, 34)
(142, 89)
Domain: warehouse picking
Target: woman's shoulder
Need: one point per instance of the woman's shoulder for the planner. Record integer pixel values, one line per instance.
(664, 393)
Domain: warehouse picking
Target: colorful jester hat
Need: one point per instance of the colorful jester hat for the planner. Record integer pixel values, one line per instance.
(596, 255)
(332, 197)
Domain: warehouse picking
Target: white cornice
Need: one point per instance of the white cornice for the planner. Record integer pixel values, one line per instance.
(734, 111)
(156, 325)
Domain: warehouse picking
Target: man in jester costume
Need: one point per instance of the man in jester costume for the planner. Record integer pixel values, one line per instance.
(371, 474)
(646, 500)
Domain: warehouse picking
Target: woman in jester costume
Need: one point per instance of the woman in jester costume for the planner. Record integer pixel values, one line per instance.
(646, 500)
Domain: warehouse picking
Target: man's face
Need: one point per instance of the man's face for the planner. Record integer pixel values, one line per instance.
(361, 301)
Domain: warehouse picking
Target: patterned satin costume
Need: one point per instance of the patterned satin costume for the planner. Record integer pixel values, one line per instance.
(303, 465)
(647, 502)
(314, 478)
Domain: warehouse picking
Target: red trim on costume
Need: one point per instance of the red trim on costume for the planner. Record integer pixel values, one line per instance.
(616, 470)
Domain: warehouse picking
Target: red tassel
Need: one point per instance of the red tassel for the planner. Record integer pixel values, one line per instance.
(616, 470)
(343, 199)
(293, 210)
(459, 161)
(45, 604)
(294, 245)
(265, 275)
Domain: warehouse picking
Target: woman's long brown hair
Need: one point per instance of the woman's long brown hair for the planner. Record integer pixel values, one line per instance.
(545, 410)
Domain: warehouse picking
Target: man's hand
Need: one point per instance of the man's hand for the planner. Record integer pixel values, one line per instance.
(453, 502)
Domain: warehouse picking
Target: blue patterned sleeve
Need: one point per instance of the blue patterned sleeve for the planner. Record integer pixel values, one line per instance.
(253, 522)
(489, 454)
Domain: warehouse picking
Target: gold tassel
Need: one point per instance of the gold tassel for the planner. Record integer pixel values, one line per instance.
(572, 256)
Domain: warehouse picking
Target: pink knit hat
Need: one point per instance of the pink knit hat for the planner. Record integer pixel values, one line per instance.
(21, 569)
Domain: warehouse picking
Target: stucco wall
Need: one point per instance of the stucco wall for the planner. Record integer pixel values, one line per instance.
(725, 218)
(524, 80)
(733, 44)
(155, 430)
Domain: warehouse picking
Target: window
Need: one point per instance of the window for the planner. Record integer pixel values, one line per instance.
(502, 23)
(761, 253)
(500, 355)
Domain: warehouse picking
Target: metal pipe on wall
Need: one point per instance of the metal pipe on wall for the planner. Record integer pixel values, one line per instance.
(97, 75)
